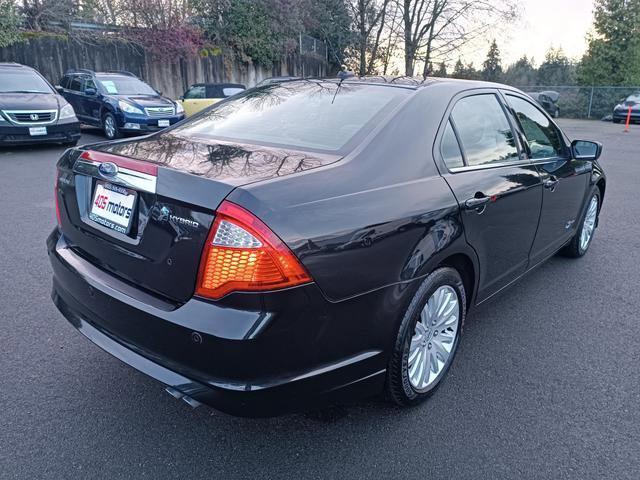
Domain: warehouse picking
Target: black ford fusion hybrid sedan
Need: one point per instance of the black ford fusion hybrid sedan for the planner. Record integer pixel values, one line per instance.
(315, 241)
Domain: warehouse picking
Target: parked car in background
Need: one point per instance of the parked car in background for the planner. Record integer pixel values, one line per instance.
(549, 101)
(31, 111)
(118, 102)
(202, 95)
(316, 240)
(621, 110)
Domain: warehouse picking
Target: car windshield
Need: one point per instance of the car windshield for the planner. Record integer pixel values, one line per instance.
(115, 85)
(313, 115)
(23, 82)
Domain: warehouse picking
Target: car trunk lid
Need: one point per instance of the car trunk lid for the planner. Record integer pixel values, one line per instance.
(146, 221)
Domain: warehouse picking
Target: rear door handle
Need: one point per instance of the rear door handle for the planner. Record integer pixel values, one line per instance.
(550, 183)
(477, 203)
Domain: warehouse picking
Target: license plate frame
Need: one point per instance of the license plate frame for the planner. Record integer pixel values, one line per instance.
(115, 202)
(37, 131)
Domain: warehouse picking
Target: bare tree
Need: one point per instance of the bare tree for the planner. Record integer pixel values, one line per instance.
(435, 28)
(369, 18)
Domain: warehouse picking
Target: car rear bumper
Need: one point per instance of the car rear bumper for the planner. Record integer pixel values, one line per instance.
(224, 357)
(19, 135)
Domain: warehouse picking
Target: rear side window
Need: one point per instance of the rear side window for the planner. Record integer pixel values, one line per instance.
(310, 115)
(450, 149)
(484, 131)
(229, 91)
(75, 83)
(196, 91)
(542, 136)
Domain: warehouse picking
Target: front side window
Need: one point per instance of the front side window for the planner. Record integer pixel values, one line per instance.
(196, 91)
(22, 81)
(309, 114)
(484, 131)
(89, 84)
(542, 136)
(115, 85)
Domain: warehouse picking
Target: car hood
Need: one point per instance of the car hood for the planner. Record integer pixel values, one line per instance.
(30, 101)
(232, 163)
(146, 100)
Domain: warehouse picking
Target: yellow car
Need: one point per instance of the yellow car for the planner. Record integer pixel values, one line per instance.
(202, 95)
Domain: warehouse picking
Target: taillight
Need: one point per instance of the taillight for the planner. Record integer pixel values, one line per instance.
(55, 196)
(243, 254)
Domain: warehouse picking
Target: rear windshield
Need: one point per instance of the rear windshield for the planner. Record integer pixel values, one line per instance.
(125, 86)
(23, 81)
(309, 115)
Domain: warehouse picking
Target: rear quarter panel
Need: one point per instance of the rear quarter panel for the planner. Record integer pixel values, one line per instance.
(382, 216)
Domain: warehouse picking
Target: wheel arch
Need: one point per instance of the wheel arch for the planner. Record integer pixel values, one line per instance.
(602, 185)
(463, 264)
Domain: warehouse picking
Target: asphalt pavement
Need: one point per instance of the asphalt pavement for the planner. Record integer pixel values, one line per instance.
(546, 383)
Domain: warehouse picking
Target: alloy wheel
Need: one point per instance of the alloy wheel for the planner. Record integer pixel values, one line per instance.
(109, 126)
(434, 338)
(589, 224)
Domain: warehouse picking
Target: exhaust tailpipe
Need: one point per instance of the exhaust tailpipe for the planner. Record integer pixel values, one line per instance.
(181, 396)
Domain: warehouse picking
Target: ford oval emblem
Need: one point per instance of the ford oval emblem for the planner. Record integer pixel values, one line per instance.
(108, 169)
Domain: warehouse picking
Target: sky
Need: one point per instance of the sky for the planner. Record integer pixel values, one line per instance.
(543, 23)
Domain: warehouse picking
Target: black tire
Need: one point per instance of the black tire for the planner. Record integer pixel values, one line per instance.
(398, 387)
(573, 248)
(114, 133)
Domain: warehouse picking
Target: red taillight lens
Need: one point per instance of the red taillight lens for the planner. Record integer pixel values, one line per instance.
(55, 196)
(243, 254)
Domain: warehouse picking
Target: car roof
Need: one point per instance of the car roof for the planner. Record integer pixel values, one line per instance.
(14, 65)
(415, 83)
(235, 85)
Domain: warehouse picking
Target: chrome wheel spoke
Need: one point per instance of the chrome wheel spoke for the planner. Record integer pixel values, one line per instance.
(433, 337)
(589, 223)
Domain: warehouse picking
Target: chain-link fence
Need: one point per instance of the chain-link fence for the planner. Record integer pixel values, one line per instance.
(581, 102)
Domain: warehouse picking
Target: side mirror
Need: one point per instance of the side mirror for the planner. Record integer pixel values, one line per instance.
(586, 150)
(59, 89)
(90, 91)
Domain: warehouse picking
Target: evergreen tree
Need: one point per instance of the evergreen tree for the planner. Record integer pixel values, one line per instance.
(613, 54)
(556, 69)
(442, 70)
(520, 74)
(458, 69)
(492, 68)
(467, 72)
(9, 23)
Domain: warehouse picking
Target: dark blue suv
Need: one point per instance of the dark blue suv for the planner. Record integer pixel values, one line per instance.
(118, 102)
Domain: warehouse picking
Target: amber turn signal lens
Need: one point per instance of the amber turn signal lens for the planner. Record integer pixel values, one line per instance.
(243, 254)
